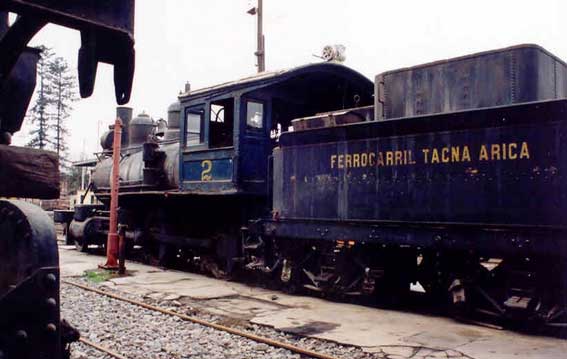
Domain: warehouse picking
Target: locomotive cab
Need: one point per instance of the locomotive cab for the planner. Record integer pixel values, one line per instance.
(229, 130)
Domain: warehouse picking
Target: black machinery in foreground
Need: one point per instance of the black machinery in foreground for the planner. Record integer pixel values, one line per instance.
(453, 180)
(30, 323)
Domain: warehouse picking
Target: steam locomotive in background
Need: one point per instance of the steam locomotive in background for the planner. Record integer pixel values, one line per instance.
(449, 174)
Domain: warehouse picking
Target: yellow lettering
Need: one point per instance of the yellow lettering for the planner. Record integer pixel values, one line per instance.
(389, 158)
(356, 160)
(411, 160)
(483, 153)
(445, 154)
(466, 154)
(380, 159)
(455, 155)
(425, 154)
(512, 154)
(398, 157)
(434, 156)
(364, 159)
(495, 151)
(524, 151)
(348, 162)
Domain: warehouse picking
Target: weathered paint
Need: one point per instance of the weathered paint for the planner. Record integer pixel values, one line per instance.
(508, 174)
(512, 75)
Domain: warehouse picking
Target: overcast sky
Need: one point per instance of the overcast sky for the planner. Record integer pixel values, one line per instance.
(210, 41)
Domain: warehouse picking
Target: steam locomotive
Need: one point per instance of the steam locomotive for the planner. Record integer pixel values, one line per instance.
(448, 175)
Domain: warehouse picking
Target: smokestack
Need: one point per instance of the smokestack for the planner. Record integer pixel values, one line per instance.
(125, 114)
(173, 115)
(187, 87)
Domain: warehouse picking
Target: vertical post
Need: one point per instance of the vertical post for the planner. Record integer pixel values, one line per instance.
(112, 240)
(261, 52)
(261, 49)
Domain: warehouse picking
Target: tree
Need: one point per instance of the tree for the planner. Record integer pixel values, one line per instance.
(74, 179)
(39, 112)
(55, 94)
(64, 94)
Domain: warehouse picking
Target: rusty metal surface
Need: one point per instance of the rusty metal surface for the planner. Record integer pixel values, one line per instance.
(501, 77)
(112, 241)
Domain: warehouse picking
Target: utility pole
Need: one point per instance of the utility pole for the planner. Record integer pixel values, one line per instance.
(261, 51)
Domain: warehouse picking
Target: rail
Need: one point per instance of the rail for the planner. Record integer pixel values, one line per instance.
(254, 337)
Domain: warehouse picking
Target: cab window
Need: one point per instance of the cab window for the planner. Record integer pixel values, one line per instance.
(194, 126)
(254, 114)
(221, 125)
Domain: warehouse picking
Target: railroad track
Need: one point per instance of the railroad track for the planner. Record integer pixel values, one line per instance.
(103, 349)
(254, 337)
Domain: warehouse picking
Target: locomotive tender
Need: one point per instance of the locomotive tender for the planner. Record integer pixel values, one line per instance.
(449, 174)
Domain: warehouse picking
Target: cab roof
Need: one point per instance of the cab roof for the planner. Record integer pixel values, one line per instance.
(272, 77)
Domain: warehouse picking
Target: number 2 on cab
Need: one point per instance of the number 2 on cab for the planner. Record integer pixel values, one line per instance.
(207, 166)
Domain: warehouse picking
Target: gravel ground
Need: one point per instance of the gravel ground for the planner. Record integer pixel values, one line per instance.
(136, 332)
